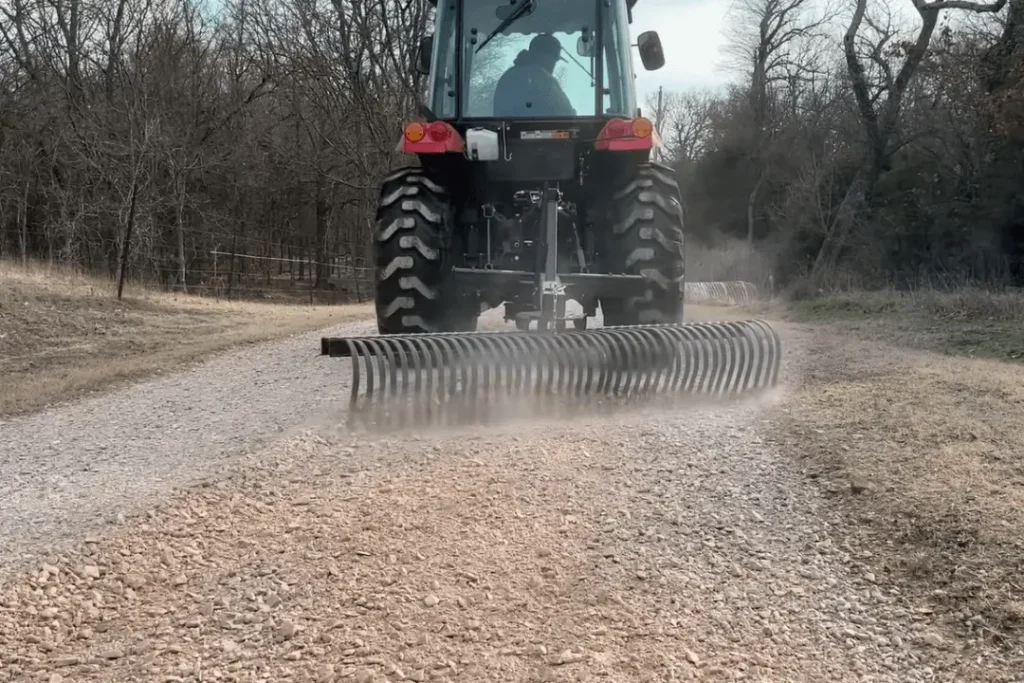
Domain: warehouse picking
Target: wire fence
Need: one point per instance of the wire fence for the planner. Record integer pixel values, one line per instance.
(212, 264)
(249, 268)
(239, 276)
(262, 264)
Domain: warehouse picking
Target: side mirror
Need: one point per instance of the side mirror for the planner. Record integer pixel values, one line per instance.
(651, 53)
(423, 54)
(585, 46)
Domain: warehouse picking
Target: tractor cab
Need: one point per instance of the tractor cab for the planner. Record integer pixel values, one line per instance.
(535, 183)
(533, 59)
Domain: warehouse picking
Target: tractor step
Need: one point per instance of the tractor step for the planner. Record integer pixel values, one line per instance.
(477, 377)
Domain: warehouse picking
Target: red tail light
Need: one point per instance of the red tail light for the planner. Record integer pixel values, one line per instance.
(439, 131)
(616, 128)
(622, 135)
(431, 138)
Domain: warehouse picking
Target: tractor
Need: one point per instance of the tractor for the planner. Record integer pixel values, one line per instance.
(535, 181)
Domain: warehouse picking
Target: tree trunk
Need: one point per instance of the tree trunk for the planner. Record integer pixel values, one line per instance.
(320, 252)
(752, 203)
(125, 245)
(846, 216)
(23, 225)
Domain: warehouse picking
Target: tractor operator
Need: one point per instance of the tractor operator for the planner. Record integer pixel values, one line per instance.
(529, 88)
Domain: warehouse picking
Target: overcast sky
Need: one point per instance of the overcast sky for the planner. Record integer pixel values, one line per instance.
(691, 34)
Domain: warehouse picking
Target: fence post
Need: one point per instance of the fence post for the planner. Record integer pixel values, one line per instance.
(231, 276)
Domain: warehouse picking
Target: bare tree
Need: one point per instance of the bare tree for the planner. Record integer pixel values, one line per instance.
(687, 122)
(771, 40)
(880, 111)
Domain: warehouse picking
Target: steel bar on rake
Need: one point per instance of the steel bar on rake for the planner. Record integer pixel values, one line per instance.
(453, 377)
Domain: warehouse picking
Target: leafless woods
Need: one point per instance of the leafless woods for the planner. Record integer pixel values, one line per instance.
(166, 129)
(159, 131)
(878, 140)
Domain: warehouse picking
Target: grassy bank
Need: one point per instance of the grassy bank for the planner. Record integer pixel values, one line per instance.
(967, 322)
(64, 335)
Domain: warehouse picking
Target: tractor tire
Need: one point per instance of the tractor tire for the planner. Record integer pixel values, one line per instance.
(646, 238)
(413, 254)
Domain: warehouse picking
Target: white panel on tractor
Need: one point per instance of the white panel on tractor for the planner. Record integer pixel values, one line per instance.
(482, 144)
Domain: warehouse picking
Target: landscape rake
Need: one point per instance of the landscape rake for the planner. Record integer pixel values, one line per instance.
(421, 380)
(528, 196)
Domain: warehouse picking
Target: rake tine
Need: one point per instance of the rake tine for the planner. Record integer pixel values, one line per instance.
(635, 371)
(740, 356)
(722, 359)
(752, 349)
(665, 364)
(432, 372)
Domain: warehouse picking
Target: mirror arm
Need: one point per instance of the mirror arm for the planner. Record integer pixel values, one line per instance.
(426, 112)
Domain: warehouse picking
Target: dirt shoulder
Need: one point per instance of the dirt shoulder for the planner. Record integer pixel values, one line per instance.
(920, 445)
(65, 336)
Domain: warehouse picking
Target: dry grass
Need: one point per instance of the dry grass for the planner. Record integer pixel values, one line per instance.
(924, 449)
(64, 335)
(969, 322)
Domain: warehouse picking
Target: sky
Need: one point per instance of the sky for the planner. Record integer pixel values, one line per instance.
(691, 33)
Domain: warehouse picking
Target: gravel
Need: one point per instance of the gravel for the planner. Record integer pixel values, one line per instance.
(652, 547)
(70, 470)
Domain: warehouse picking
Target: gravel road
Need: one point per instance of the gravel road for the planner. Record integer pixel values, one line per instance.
(655, 547)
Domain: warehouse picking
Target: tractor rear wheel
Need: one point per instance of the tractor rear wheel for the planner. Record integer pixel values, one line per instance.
(413, 250)
(646, 238)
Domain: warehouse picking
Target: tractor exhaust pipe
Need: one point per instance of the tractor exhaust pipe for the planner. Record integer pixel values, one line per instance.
(423, 380)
